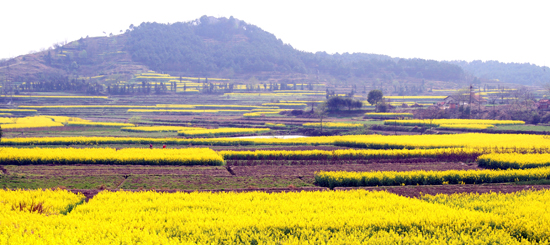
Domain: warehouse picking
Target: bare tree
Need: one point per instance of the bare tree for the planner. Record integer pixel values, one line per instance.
(462, 95)
(492, 100)
(321, 112)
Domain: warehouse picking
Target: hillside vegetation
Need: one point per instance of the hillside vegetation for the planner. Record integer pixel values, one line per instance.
(525, 74)
(219, 45)
(208, 47)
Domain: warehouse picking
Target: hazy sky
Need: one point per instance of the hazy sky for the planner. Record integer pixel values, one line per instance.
(507, 31)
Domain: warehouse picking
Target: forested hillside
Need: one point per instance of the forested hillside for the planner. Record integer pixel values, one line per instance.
(526, 74)
(206, 47)
(229, 46)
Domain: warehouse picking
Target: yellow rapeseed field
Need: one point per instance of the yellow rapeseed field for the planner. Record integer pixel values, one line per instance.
(513, 160)
(182, 111)
(466, 126)
(111, 156)
(159, 129)
(351, 154)
(222, 131)
(52, 201)
(178, 141)
(259, 113)
(329, 217)
(275, 125)
(89, 106)
(37, 121)
(422, 177)
(437, 122)
(32, 122)
(522, 143)
(26, 111)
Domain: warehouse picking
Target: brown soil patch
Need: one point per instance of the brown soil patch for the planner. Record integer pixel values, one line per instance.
(310, 169)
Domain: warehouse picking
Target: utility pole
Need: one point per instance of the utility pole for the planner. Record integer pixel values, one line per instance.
(470, 104)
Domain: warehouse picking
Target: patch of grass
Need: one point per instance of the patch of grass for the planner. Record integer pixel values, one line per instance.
(201, 182)
(523, 128)
(71, 182)
(87, 131)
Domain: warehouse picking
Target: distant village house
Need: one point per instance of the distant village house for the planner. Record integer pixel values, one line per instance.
(454, 101)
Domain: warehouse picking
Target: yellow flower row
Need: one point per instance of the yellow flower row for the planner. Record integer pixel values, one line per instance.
(400, 103)
(158, 106)
(159, 129)
(328, 217)
(181, 111)
(514, 160)
(110, 156)
(241, 107)
(101, 106)
(284, 104)
(18, 111)
(301, 101)
(520, 142)
(456, 154)
(259, 113)
(173, 141)
(421, 177)
(275, 125)
(266, 110)
(47, 201)
(167, 76)
(297, 91)
(222, 131)
(437, 122)
(34, 122)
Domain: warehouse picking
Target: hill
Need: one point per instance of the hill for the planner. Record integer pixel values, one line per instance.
(210, 47)
(524, 74)
(228, 47)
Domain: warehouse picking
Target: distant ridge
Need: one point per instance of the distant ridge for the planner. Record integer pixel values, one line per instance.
(232, 48)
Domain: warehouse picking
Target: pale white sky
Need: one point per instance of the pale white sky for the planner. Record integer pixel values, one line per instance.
(507, 31)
